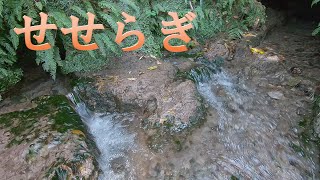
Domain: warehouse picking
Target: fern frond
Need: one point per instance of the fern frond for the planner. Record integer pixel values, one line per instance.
(1, 7)
(99, 40)
(60, 19)
(131, 4)
(14, 39)
(115, 9)
(80, 11)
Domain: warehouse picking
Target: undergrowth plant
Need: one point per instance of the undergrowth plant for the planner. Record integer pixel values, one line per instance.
(230, 16)
(317, 30)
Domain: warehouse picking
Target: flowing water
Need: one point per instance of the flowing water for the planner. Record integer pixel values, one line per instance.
(113, 141)
(247, 135)
(252, 143)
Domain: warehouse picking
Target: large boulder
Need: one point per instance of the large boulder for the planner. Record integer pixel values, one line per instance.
(148, 87)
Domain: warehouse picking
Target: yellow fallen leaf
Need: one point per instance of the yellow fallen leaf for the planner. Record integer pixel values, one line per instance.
(249, 35)
(78, 132)
(256, 50)
(153, 68)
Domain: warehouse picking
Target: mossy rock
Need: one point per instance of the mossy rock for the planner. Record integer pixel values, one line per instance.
(52, 113)
(51, 134)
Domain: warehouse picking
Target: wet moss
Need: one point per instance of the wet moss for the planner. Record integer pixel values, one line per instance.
(233, 177)
(189, 54)
(178, 144)
(308, 136)
(75, 82)
(52, 112)
(298, 149)
(204, 71)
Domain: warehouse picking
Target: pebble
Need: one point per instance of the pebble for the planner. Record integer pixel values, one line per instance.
(276, 95)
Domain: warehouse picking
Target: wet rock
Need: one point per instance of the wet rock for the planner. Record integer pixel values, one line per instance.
(293, 82)
(317, 90)
(42, 138)
(317, 126)
(306, 87)
(276, 95)
(232, 107)
(118, 165)
(186, 66)
(295, 71)
(216, 49)
(273, 58)
(302, 111)
(156, 95)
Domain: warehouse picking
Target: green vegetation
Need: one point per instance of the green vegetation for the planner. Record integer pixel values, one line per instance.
(308, 125)
(230, 16)
(317, 30)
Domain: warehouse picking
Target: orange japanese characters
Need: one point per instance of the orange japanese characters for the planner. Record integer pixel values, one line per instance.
(40, 38)
(87, 38)
(178, 32)
(120, 37)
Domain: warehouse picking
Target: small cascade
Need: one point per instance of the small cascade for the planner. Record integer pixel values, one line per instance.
(247, 131)
(205, 70)
(114, 142)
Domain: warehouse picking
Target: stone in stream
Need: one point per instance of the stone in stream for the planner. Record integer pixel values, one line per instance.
(215, 49)
(164, 103)
(276, 95)
(157, 96)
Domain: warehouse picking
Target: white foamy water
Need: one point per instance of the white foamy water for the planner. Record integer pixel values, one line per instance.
(113, 141)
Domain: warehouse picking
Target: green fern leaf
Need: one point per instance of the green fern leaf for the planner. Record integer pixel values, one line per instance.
(89, 7)
(80, 11)
(314, 2)
(132, 5)
(110, 20)
(61, 19)
(99, 40)
(1, 7)
(14, 39)
(115, 9)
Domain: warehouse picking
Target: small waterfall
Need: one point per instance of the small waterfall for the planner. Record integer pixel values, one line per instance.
(112, 139)
(247, 131)
(204, 71)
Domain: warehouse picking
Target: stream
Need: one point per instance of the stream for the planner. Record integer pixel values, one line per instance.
(246, 135)
(245, 140)
(252, 145)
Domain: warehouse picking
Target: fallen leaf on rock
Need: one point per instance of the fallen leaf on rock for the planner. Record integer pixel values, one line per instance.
(249, 35)
(256, 50)
(78, 132)
(153, 68)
